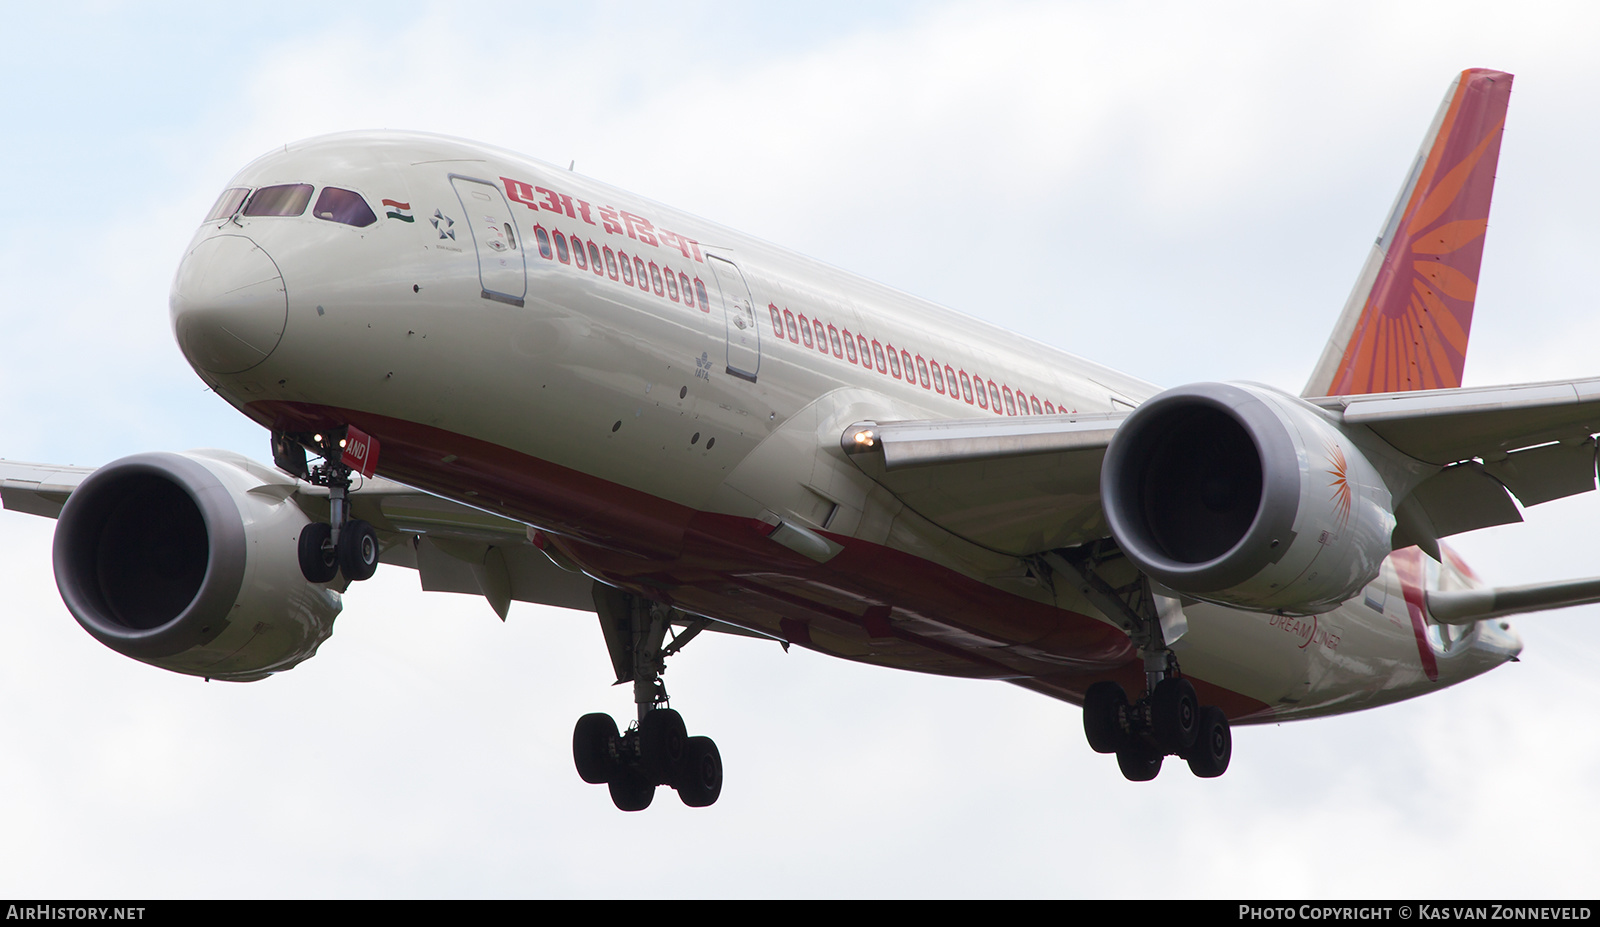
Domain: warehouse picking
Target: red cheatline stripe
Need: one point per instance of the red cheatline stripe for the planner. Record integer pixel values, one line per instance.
(1408, 568)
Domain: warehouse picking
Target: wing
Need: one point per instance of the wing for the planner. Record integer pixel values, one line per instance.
(1028, 485)
(1016, 485)
(453, 547)
(1533, 441)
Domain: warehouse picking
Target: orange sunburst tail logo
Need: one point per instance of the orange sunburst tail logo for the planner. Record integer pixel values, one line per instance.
(1407, 323)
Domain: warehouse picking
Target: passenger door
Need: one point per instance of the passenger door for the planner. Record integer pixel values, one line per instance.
(744, 341)
(502, 271)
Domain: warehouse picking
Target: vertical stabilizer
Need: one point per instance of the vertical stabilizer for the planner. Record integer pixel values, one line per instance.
(1406, 324)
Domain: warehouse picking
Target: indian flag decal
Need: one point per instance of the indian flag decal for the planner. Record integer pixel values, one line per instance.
(399, 210)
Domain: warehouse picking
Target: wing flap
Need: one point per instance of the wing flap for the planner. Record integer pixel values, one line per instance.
(1464, 498)
(500, 573)
(1551, 471)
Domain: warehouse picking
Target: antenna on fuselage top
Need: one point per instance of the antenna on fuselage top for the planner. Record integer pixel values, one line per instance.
(572, 164)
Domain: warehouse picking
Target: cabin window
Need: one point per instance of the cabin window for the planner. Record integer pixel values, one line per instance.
(983, 398)
(688, 291)
(1048, 408)
(644, 280)
(922, 372)
(1034, 400)
(655, 279)
(805, 331)
(227, 204)
(994, 397)
(788, 320)
(966, 387)
(627, 267)
(577, 254)
(938, 377)
(287, 199)
(611, 263)
(700, 293)
(850, 347)
(894, 361)
(877, 353)
(1011, 406)
(543, 238)
(562, 254)
(866, 356)
(822, 337)
(833, 339)
(594, 259)
(905, 357)
(777, 320)
(343, 206)
(672, 283)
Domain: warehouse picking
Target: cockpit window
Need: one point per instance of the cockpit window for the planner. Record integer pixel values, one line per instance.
(344, 206)
(288, 199)
(228, 203)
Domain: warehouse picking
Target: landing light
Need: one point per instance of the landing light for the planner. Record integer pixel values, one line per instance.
(866, 438)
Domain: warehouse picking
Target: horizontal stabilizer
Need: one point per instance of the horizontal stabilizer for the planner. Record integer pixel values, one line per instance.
(1468, 605)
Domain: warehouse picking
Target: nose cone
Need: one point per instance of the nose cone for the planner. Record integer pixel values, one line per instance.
(229, 306)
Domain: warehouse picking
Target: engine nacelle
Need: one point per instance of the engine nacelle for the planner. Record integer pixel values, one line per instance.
(1242, 495)
(189, 562)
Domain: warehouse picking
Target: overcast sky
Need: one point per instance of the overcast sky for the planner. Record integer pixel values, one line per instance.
(1183, 191)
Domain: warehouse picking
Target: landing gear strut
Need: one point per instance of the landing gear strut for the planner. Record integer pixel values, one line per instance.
(657, 749)
(344, 544)
(1169, 719)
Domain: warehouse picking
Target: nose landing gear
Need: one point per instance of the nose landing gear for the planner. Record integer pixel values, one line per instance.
(657, 750)
(344, 544)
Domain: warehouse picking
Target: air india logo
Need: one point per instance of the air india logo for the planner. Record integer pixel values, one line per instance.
(1340, 485)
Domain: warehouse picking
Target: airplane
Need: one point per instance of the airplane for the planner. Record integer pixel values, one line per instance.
(530, 386)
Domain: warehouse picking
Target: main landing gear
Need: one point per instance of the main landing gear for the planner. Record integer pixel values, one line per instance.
(657, 749)
(1169, 719)
(344, 544)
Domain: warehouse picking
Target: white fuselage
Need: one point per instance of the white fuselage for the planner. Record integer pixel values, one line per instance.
(654, 431)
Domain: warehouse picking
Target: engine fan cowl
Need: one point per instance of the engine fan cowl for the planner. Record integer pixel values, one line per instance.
(172, 560)
(1238, 494)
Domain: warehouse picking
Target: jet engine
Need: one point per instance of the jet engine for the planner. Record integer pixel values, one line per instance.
(189, 562)
(1241, 495)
